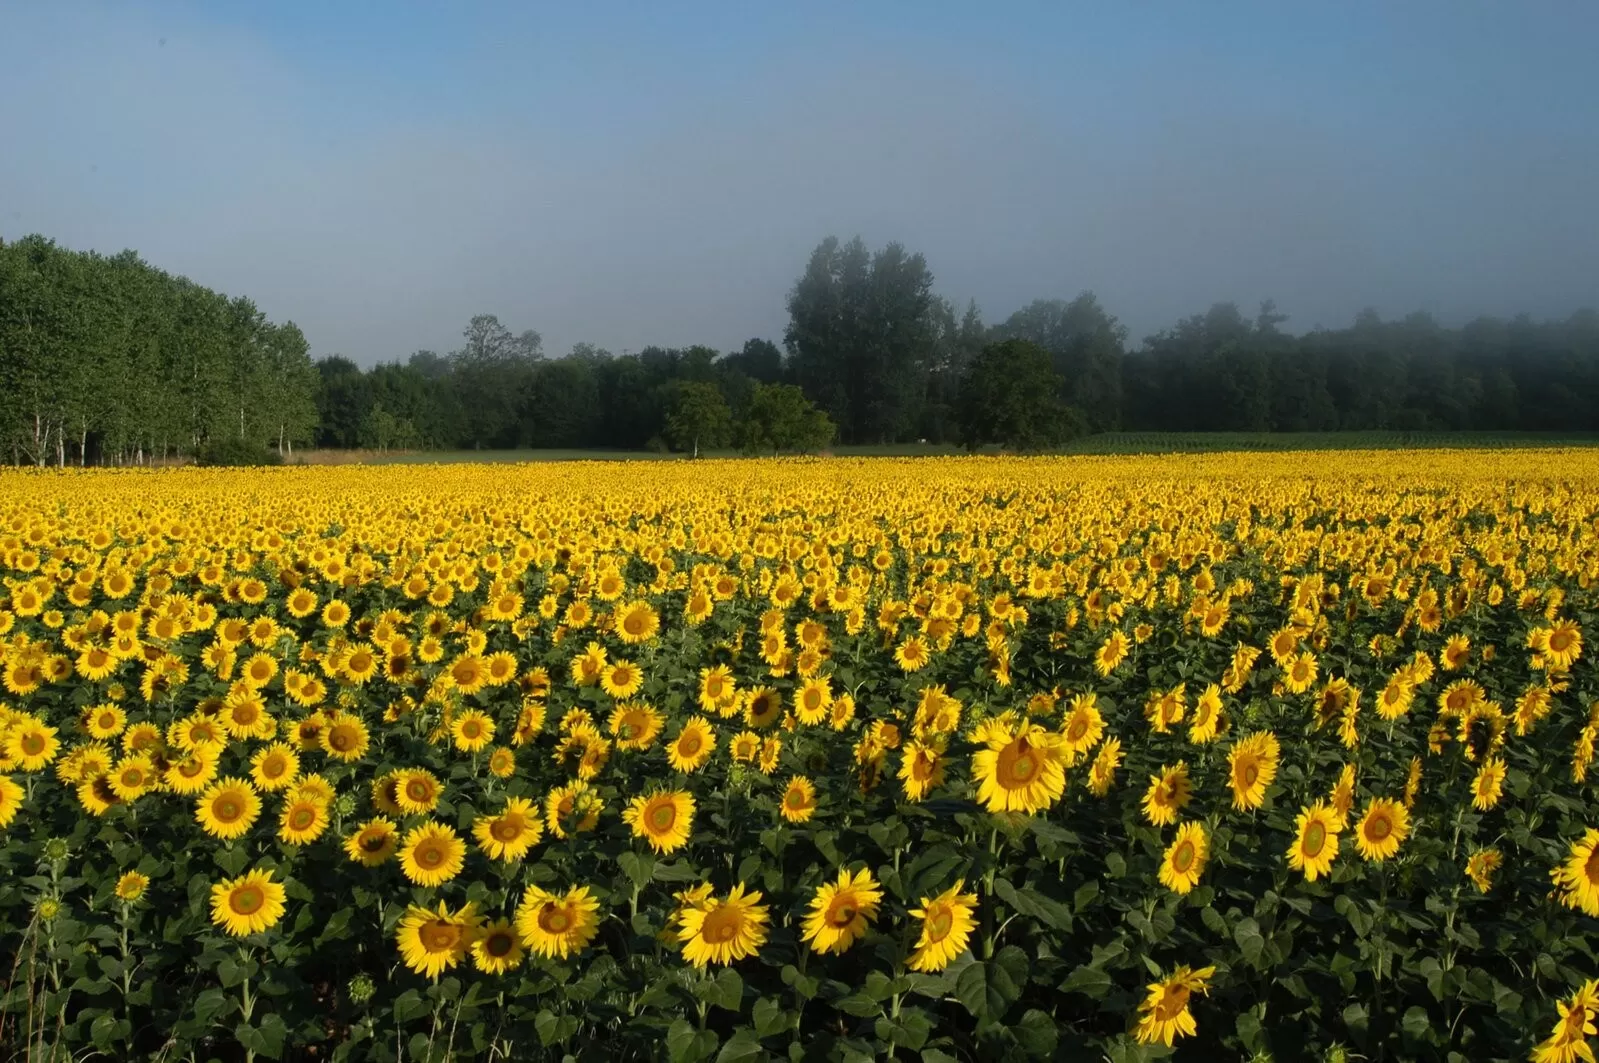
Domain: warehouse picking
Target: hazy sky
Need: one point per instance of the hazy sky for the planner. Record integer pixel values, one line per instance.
(631, 174)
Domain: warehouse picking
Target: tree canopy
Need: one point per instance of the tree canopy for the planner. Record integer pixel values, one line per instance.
(109, 359)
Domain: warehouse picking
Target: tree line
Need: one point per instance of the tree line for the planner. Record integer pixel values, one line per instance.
(107, 359)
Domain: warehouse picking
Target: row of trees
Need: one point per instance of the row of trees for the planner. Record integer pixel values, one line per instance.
(110, 360)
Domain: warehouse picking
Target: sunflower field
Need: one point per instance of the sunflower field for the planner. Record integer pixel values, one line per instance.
(1222, 757)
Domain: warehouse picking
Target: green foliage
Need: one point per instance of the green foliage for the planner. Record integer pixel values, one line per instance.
(700, 418)
(780, 418)
(233, 452)
(1011, 396)
(111, 361)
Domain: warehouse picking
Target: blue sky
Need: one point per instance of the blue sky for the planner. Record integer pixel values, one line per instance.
(630, 174)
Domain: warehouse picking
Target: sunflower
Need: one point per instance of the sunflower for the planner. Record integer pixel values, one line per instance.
(303, 821)
(621, 679)
(432, 854)
(417, 791)
(227, 808)
(1561, 645)
(1480, 868)
(105, 721)
(1102, 772)
(1299, 673)
(1184, 861)
(502, 762)
(495, 949)
(555, 925)
(723, 929)
(1112, 653)
(799, 800)
(841, 911)
(372, 843)
(248, 904)
(1488, 785)
(745, 747)
(1083, 726)
(716, 687)
(763, 707)
(94, 793)
(11, 796)
(1167, 794)
(572, 808)
(693, 745)
(131, 886)
(1568, 1043)
(921, 768)
(509, 835)
(30, 744)
(1021, 772)
(431, 941)
(637, 622)
(946, 924)
(275, 767)
(664, 818)
(133, 777)
(635, 726)
(314, 787)
(472, 731)
(1455, 653)
(1251, 768)
(1164, 1012)
(1342, 797)
(1382, 829)
(1207, 722)
(1397, 696)
(1577, 880)
(912, 655)
(345, 738)
(1315, 844)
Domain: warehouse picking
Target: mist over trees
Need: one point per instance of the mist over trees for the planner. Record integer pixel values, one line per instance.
(110, 360)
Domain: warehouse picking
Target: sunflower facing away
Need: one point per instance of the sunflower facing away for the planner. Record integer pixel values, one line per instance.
(723, 929)
(1480, 868)
(432, 941)
(840, 912)
(1184, 860)
(664, 819)
(946, 922)
(1164, 1013)
(248, 904)
(557, 925)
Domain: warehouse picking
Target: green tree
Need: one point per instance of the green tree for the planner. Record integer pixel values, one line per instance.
(781, 418)
(861, 337)
(699, 417)
(1011, 396)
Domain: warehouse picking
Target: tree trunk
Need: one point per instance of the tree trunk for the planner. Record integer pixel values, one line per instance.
(61, 446)
(83, 446)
